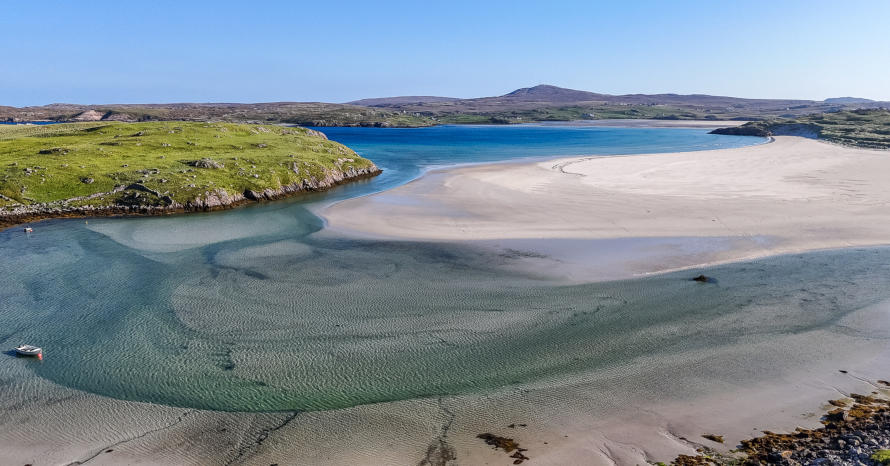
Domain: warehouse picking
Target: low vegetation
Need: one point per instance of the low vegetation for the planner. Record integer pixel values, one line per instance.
(860, 128)
(298, 113)
(161, 163)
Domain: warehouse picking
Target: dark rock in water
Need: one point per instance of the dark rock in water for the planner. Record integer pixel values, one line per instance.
(713, 437)
(703, 279)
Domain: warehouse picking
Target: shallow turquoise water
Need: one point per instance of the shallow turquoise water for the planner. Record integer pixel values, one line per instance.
(249, 310)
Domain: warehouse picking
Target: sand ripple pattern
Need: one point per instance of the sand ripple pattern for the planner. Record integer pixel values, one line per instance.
(278, 323)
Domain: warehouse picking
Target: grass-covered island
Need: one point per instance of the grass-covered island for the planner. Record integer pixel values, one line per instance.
(108, 168)
(861, 128)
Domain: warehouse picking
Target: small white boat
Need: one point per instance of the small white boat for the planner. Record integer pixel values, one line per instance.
(29, 230)
(28, 350)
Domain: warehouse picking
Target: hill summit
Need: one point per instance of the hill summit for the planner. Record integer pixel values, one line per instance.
(548, 93)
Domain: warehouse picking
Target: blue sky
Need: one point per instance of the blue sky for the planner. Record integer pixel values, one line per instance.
(181, 51)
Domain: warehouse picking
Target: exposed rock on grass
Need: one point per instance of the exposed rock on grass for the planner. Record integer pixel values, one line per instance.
(54, 150)
(207, 163)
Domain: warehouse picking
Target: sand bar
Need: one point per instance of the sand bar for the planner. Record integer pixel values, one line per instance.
(797, 193)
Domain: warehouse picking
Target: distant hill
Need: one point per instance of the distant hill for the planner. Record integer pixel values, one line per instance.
(552, 103)
(548, 93)
(528, 104)
(847, 100)
(301, 113)
(400, 100)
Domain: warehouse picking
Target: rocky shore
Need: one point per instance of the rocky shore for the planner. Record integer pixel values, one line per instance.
(855, 432)
(140, 200)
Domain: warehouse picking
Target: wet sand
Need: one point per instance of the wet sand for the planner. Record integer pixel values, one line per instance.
(633, 422)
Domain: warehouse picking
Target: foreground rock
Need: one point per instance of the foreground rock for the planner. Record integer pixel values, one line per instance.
(855, 432)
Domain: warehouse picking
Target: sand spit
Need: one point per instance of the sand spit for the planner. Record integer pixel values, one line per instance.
(798, 193)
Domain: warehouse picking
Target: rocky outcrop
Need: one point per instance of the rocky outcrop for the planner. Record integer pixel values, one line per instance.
(318, 134)
(764, 129)
(89, 115)
(748, 129)
(221, 198)
(156, 203)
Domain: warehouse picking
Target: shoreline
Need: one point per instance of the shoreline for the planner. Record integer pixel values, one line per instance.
(215, 202)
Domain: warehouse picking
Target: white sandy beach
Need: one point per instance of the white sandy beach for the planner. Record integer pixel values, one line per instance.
(790, 195)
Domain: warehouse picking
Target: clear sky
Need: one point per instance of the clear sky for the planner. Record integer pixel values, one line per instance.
(220, 51)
